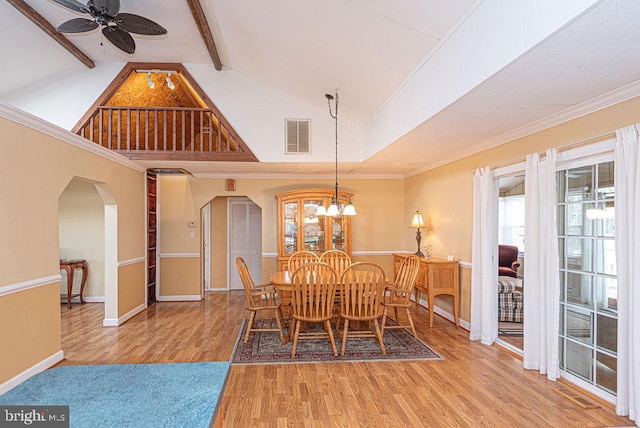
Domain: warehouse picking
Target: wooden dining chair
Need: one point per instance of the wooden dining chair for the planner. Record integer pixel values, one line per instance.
(300, 258)
(313, 287)
(363, 286)
(337, 259)
(259, 298)
(399, 293)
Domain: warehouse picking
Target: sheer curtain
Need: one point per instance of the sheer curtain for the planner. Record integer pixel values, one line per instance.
(541, 294)
(484, 275)
(627, 213)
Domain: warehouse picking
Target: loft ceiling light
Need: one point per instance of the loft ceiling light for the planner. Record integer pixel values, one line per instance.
(170, 82)
(149, 81)
(334, 207)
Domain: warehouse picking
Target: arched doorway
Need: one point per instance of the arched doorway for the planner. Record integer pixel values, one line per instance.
(87, 222)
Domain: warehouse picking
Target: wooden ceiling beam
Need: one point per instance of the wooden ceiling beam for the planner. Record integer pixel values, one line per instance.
(205, 31)
(46, 26)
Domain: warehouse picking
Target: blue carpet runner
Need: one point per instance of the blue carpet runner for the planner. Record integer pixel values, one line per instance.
(128, 395)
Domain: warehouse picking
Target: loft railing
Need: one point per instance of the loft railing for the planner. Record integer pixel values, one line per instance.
(176, 133)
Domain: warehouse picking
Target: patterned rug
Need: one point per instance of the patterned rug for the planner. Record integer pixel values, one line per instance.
(266, 348)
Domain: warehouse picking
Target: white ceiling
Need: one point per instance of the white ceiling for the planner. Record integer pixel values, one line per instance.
(367, 49)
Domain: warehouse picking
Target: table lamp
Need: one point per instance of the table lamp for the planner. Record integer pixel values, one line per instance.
(417, 222)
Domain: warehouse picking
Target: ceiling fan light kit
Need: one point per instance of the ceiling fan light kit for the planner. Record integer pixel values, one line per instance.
(116, 26)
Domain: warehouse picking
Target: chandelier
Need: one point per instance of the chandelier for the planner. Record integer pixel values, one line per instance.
(334, 209)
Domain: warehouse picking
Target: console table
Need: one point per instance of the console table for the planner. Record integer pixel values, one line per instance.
(437, 276)
(70, 266)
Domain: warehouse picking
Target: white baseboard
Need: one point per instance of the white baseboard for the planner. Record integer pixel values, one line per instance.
(113, 322)
(445, 314)
(94, 299)
(110, 322)
(217, 289)
(185, 298)
(31, 371)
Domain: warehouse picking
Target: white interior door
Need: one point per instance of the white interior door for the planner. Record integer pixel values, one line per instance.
(245, 239)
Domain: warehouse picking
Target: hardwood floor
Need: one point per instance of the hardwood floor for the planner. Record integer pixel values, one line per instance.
(475, 385)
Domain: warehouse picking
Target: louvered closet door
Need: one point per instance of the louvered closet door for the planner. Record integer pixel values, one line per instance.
(245, 239)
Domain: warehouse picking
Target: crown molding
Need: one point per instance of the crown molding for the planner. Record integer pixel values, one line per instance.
(282, 176)
(37, 124)
(609, 99)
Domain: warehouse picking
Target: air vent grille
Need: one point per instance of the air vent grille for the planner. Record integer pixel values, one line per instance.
(298, 132)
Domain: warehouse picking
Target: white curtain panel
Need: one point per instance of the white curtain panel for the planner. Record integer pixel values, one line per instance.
(627, 213)
(484, 274)
(541, 293)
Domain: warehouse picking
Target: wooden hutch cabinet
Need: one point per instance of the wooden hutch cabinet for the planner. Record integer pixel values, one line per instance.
(299, 228)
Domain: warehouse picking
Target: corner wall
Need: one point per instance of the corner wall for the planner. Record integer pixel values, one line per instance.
(36, 164)
(445, 194)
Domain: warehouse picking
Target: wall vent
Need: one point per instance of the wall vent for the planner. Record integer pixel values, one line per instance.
(298, 135)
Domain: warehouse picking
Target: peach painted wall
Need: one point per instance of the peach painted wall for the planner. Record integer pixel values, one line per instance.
(29, 328)
(130, 294)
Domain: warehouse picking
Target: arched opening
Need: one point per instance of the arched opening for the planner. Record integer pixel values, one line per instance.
(87, 222)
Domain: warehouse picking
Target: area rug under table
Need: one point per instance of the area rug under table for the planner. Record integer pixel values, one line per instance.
(266, 348)
(128, 395)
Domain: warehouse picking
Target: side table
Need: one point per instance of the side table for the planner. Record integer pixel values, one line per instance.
(69, 266)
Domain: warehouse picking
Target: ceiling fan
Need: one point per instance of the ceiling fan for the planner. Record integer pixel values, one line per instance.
(116, 26)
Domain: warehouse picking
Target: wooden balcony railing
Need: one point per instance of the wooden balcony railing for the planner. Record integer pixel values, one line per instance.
(164, 133)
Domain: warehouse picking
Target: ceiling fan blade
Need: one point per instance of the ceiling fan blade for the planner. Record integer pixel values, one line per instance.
(77, 25)
(73, 5)
(108, 7)
(120, 39)
(139, 25)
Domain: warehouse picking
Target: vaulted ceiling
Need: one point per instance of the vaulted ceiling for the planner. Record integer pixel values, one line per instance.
(372, 51)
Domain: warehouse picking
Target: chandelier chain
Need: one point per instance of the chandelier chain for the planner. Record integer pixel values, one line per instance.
(336, 122)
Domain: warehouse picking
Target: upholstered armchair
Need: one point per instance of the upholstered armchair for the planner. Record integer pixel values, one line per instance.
(508, 260)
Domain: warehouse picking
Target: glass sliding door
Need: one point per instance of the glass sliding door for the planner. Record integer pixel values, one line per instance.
(588, 284)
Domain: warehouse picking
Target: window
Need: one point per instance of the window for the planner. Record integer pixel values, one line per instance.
(588, 284)
(511, 214)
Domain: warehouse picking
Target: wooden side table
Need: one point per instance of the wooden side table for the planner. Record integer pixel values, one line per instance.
(437, 276)
(70, 266)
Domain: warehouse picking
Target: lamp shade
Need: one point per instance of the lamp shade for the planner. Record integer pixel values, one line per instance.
(333, 209)
(321, 209)
(417, 221)
(349, 209)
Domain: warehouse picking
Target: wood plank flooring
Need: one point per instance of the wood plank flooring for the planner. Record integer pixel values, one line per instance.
(475, 385)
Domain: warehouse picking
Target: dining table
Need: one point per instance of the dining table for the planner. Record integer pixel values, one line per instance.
(281, 281)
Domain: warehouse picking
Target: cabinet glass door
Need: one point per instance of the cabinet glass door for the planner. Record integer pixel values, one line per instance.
(314, 227)
(290, 227)
(337, 233)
